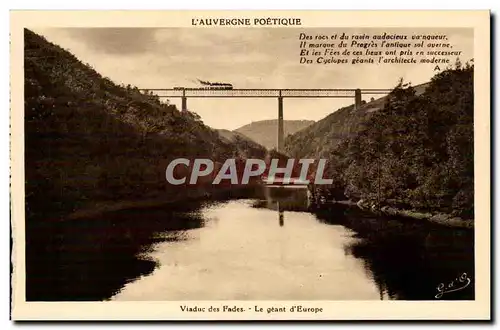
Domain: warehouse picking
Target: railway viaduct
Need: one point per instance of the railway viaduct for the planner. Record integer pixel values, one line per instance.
(279, 94)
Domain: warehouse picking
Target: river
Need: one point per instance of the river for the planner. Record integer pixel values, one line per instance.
(261, 245)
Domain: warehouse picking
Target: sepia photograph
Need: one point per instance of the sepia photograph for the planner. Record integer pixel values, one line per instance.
(250, 165)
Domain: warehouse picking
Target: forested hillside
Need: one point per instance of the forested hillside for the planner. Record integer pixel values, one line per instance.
(416, 152)
(246, 146)
(265, 132)
(88, 139)
(320, 138)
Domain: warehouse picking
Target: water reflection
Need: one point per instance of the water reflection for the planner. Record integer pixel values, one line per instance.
(281, 216)
(233, 248)
(284, 199)
(408, 259)
(94, 258)
(248, 256)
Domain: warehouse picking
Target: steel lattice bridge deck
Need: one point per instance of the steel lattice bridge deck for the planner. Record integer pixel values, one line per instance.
(312, 93)
(185, 93)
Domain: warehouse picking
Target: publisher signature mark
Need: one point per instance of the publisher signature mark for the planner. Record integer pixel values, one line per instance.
(459, 283)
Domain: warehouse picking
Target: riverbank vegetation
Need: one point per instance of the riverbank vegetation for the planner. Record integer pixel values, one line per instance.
(415, 153)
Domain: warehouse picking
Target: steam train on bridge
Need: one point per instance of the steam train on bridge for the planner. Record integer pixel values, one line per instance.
(209, 85)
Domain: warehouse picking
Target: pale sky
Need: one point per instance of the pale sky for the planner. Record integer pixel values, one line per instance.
(244, 57)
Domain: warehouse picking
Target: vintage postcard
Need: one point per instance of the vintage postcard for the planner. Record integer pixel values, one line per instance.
(250, 165)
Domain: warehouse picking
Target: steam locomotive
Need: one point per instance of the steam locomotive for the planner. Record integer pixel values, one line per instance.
(209, 85)
(223, 87)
